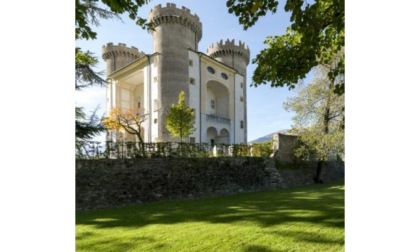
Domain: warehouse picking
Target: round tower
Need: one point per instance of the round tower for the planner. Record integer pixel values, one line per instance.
(175, 32)
(118, 56)
(235, 56)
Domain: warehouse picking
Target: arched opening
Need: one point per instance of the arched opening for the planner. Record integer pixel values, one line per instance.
(224, 137)
(211, 135)
(217, 99)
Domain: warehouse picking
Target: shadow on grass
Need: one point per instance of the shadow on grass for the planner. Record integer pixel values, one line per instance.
(255, 248)
(319, 205)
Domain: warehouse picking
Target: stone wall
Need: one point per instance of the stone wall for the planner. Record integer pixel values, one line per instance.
(283, 147)
(111, 183)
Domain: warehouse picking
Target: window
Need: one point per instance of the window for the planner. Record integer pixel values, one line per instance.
(190, 62)
(242, 85)
(242, 124)
(155, 120)
(212, 104)
(192, 139)
(211, 70)
(155, 79)
(138, 104)
(192, 81)
(242, 99)
(224, 76)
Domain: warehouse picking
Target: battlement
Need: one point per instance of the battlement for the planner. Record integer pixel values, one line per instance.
(229, 47)
(171, 14)
(120, 49)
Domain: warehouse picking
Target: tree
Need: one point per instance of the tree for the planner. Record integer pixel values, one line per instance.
(319, 117)
(86, 126)
(128, 119)
(316, 34)
(180, 118)
(88, 13)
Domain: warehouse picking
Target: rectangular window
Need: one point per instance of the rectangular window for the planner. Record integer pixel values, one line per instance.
(212, 104)
(242, 124)
(242, 85)
(155, 79)
(192, 139)
(242, 99)
(155, 120)
(192, 81)
(190, 63)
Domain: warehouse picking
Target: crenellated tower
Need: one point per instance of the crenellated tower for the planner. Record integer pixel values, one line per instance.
(176, 30)
(235, 56)
(118, 56)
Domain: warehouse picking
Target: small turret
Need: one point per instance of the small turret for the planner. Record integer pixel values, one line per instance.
(235, 56)
(118, 56)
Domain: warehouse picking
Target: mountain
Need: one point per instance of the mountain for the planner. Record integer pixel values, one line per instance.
(268, 137)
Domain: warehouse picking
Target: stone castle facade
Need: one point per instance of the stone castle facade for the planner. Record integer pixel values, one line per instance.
(214, 83)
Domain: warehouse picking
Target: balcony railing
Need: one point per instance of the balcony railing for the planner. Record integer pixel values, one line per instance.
(218, 119)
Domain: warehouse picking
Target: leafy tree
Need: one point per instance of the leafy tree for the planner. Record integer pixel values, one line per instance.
(85, 76)
(88, 13)
(319, 117)
(129, 120)
(86, 126)
(180, 118)
(316, 34)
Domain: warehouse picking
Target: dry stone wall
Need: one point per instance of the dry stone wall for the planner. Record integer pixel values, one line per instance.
(111, 183)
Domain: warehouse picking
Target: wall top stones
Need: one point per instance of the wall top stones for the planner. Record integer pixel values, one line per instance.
(229, 47)
(172, 14)
(121, 48)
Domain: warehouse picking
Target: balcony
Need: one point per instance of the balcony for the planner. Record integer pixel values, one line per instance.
(217, 119)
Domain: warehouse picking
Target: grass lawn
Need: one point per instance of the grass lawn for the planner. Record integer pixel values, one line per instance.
(304, 219)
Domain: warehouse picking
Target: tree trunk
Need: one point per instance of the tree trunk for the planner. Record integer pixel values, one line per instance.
(326, 123)
(143, 152)
(318, 171)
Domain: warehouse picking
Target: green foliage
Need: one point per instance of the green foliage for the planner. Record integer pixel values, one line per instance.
(180, 118)
(87, 127)
(88, 13)
(85, 76)
(241, 150)
(314, 37)
(280, 220)
(319, 116)
(262, 149)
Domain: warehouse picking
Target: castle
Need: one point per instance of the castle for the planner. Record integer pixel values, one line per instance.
(214, 83)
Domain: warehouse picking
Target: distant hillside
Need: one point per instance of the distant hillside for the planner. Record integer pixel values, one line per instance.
(268, 137)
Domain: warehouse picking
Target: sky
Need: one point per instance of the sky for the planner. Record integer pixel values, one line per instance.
(265, 104)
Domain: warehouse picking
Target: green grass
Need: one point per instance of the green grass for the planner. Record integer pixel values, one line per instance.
(304, 219)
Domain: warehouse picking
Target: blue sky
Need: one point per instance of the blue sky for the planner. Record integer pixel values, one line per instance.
(265, 104)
